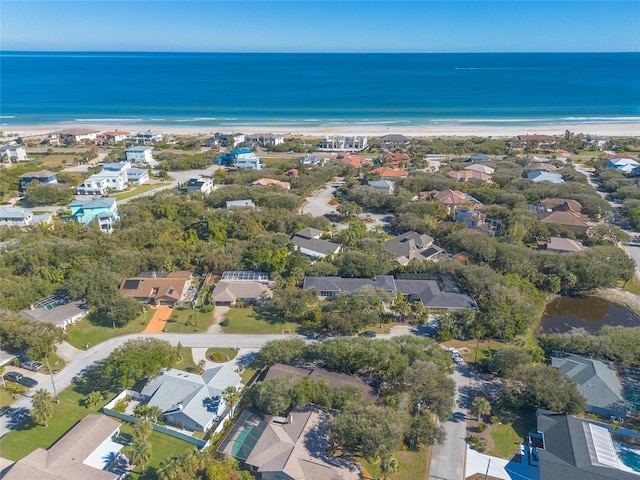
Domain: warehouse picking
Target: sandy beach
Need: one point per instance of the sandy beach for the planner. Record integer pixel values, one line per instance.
(604, 129)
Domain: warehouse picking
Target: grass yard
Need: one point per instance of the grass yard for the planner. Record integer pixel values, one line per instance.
(413, 465)
(181, 320)
(55, 362)
(5, 397)
(59, 159)
(137, 190)
(485, 348)
(229, 352)
(93, 330)
(28, 436)
(186, 363)
(251, 320)
(162, 446)
(513, 428)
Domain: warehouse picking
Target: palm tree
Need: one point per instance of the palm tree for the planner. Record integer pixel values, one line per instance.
(230, 396)
(480, 406)
(389, 464)
(140, 453)
(142, 429)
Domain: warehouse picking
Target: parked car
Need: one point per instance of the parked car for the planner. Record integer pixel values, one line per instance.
(32, 365)
(13, 377)
(368, 334)
(28, 382)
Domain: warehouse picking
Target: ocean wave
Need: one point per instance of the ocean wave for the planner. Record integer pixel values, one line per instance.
(7, 116)
(609, 119)
(106, 120)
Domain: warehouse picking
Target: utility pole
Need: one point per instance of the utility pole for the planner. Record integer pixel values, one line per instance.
(55, 394)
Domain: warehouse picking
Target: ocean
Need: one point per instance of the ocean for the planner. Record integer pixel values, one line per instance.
(229, 90)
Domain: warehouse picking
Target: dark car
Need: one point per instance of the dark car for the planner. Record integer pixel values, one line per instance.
(13, 377)
(368, 334)
(28, 382)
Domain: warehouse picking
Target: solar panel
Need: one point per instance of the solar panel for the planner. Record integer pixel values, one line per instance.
(131, 284)
(245, 276)
(600, 445)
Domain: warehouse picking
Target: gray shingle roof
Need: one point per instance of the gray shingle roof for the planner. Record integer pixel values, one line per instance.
(314, 246)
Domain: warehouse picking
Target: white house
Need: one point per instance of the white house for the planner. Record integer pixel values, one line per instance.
(139, 154)
(250, 161)
(344, 144)
(200, 185)
(137, 176)
(13, 153)
(116, 167)
(226, 139)
(103, 182)
(265, 139)
(116, 137)
(15, 217)
(77, 134)
(146, 138)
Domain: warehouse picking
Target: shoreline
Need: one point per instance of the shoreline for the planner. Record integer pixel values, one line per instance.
(602, 129)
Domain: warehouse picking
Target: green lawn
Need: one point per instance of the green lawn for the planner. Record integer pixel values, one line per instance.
(93, 330)
(514, 428)
(162, 446)
(137, 190)
(413, 465)
(187, 364)
(28, 436)
(254, 320)
(181, 320)
(55, 362)
(248, 374)
(229, 352)
(5, 397)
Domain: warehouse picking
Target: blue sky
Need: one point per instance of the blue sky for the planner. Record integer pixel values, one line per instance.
(321, 26)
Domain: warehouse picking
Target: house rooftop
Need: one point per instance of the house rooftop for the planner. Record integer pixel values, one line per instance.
(38, 174)
(56, 310)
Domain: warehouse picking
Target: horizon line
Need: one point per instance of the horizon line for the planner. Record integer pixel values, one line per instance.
(320, 52)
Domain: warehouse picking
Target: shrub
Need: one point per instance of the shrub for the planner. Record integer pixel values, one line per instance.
(494, 419)
(482, 427)
(120, 407)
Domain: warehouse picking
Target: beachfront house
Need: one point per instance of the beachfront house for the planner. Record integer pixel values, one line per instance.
(104, 182)
(116, 136)
(395, 140)
(139, 154)
(75, 135)
(343, 144)
(534, 141)
(12, 154)
(146, 138)
(265, 139)
(41, 176)
(226, 139)
(104, 211)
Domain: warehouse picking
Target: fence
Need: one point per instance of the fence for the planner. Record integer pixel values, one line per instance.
(108, 410)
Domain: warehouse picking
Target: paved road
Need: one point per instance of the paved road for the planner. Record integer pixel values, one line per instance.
(447, 461)
(20, 409)
(317, 203)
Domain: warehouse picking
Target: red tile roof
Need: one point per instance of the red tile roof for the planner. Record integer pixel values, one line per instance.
(389, 172)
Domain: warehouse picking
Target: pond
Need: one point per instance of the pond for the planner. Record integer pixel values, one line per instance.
(591, 313)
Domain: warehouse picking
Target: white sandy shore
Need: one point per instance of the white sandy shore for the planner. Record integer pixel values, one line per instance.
(606, 129)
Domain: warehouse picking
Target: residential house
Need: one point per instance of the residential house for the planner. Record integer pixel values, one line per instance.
(309, 243)
(395, 140)
(478, 167)
(146, 138)
(564, 215)
(226, 139)
(240, 158)
(246, 286)
(597, 382)
(56, 309)
(310, 159)
(116, 136)
(117, 166)
(346, 144)
(104, 182)
(103, 210)
(263, 182)
(13, 153)
(382, 186)
(434, 291)
(86, 452)
(479, 221)
(561, 204)
(266, 139)
(158, 288)
(534, 141)
(41, 176)
(240, 204)
(189, 401)
(412, 246)
(559, 245)
(543, 167)
(598, 140)
(17, 217)
(75, 135)
(478, 157)
(353, 160)
(286, 448)
(541, 176)
(433, 164)
(454, 200)
(139, 154)
(135, 176)
(292, 172)
(397, 159)
(387, 173)
(573, 448)
(465, 176)
(621, 163)
(200, 185)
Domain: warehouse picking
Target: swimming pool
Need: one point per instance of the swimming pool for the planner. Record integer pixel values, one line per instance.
(629, 455)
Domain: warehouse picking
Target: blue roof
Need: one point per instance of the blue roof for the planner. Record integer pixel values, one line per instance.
(237, 151)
